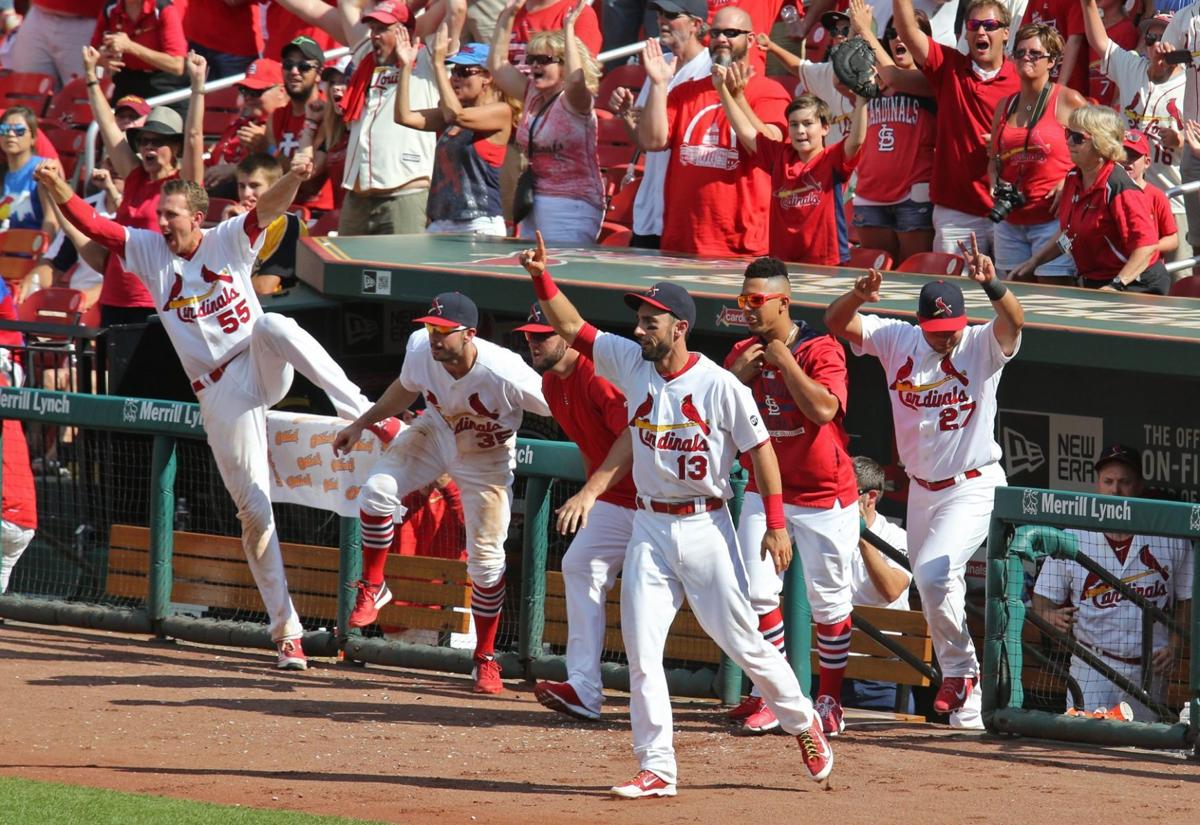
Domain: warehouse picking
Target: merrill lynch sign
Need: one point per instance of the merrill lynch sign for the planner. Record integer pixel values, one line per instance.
(1039, 502)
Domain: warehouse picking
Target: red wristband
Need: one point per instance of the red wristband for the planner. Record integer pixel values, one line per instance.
(773, 505)
(544, 286)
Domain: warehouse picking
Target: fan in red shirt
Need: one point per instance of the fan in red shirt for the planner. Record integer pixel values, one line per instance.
(808, 221)
(1067, 17)
(1137, 161)
(143, 42)
(302, 61)
(967, 89)
(261, 94)
(548, 16)
(1120, 30)
(593, 414)
(227, 33)
(715, 201)
(763, 14)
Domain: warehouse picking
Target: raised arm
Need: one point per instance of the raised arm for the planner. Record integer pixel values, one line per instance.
(192, 166)
(489, 117)
(426, 120)
(842, 318)
(124, 158)
(653, 128)
(858, 128)
(790, 61)
(812, 16)
(1073, 52)
(317, 13)
(905, 21)
(745, 130)
(862, 23)
(108, 233)
(1093, 27)
(578, 96)
(1010, 316)
(275, 201)
(507, 77)
(353, 28)
(560, 312)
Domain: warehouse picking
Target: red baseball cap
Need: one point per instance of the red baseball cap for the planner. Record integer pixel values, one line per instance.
(138, 104)
(1135, 141)
(263, 74)
(536, 322)
(388, 12)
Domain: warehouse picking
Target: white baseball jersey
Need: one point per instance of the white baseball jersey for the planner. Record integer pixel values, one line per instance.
(1159, 569)
(862, 589)
(943, 406)
(1183, 32)
(686, 430)
(1150, 107)
(206, 302)
(382, 154)
(483, 409)
(818, 79)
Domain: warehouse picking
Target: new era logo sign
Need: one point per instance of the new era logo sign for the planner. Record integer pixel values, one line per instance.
(376, 282)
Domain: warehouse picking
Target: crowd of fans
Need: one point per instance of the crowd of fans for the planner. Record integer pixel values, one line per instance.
(996, 117)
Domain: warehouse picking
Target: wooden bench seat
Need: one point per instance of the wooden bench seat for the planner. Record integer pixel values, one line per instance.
(211, 571)
(688, 642)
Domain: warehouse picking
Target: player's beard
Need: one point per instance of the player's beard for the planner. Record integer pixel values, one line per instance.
(549, 358)
(655, 351)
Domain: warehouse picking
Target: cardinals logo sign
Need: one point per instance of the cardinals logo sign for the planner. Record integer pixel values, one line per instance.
(663, 436)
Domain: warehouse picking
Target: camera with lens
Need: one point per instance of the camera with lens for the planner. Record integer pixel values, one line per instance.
(1005, 197)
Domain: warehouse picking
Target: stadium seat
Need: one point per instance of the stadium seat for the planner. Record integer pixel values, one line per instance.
(862, 257)
(608, 228)
(70, 144)
(614, 146)
(325, 224)
(63, 106)
(785, 82)
(223, 100)
(28, 89)
(216, 121)
(20, 250)
(620, 207)
(620, 237)
(54, 305)
(632, 75)
(933, 263)
(1188, 287)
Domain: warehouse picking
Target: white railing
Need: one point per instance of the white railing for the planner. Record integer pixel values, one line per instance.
(1178, 192)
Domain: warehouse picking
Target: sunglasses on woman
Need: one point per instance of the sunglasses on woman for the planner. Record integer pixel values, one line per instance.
(1032, 55)
(541, 60)
(1076, 138)
(755, 300)
(17, 129)
(465, 71)
(989, 25)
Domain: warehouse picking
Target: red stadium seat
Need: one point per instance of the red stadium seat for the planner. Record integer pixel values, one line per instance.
(70, 144)
(55, 305)
(619, 237)
(1188, 287)
(216, 121)
(226, 100)
(631, 75)
(865, 258)
(620, 208)
(934, 263)
(28, 89)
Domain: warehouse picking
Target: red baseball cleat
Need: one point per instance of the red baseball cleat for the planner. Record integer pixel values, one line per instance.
(749, 706)
(560, 696)
(646, 783)
(386, 430)
(487, 676)
(833, 721)
(370, 598)
(953, 693)
(291, 655)
(818, 756)
(758, 723)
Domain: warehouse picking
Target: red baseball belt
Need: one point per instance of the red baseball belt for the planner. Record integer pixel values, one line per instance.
(681, 508)
(212, 377)
(934, 486)
(1128, 660)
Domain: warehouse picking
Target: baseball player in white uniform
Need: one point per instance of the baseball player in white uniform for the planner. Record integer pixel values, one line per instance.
(592, 413)
(875, 579)
(689, 418)
(240, 360)
(1099, 617)
(942, 380)
(475, 396)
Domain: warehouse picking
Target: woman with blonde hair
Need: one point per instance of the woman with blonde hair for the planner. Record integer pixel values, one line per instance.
(1104, 219)
(1029, 157)
(557, 131)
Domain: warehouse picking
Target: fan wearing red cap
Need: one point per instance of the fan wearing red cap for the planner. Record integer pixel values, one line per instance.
(592, 412)
(475, 395)
(1137, 161)
(942, 379)
(688, 417)
(261, 93)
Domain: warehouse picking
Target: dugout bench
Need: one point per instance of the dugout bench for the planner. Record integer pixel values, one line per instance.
(211, 571)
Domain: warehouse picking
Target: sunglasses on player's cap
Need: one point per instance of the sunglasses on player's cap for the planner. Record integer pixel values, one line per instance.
(1122, 453)
(668, 297)
(535, 324)
(940, 307)
(450, 310)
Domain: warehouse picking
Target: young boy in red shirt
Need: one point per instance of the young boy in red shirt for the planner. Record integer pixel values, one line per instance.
(808, 223)
(1137, 161)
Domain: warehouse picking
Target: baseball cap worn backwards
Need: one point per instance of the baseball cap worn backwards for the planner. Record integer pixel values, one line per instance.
(941, 308)
(449, 310)
(536, 322)
(667, 297)
(1122, 453)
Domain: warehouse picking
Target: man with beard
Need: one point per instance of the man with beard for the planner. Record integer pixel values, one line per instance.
(475, 395)
(592, 413)
(240, 360)
(681, 28)
(301, 60)
(715, 202)
(691, 417)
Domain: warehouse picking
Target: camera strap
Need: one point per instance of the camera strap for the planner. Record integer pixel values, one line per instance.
(1039, 109)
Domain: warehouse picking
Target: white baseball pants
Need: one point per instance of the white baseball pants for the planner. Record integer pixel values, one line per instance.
(234, 410)
(13, 540)
(696, 556)
(826, 541)
(945, 528)
(422, 452)
(589, 568)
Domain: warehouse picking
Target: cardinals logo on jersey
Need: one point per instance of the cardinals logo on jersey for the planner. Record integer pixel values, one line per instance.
(175, 299)
(1173, 111)
(1104, 595)
(477, 405)
(662, 436)
(807, 193)
(915, 396)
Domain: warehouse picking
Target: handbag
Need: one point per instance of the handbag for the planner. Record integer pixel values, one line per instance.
(523, 195)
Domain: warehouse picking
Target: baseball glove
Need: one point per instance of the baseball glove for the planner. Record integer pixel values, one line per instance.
(854, 64)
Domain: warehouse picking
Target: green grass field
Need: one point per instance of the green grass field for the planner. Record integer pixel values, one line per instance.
(26, 802)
